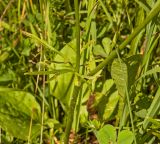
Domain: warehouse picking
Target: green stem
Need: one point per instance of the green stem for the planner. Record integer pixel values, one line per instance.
(130, 113)
(152, 14)
(76, 87)
(71, 114)
(77, 35)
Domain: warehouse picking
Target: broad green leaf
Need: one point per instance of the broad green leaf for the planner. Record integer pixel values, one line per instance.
(125, 137)
(106, 135)
(62, 85)
(124, 73)
(119, 73)
(17, 110)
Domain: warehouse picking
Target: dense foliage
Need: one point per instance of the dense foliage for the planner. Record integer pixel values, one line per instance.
(79, 71)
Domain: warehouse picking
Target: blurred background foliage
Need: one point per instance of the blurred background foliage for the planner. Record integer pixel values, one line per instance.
(31, 33)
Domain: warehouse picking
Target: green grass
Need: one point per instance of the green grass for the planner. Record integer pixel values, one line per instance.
(82, 71)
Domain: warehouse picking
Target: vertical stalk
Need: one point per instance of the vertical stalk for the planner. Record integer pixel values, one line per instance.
(43, 12)
(71, 114)
(130, 113)
(77, 85)
(76, 5)
(43, 95)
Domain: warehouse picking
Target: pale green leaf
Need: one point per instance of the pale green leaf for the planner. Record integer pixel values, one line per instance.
(17, 110)
(62, 85)
(125, 137)
(106, 135)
